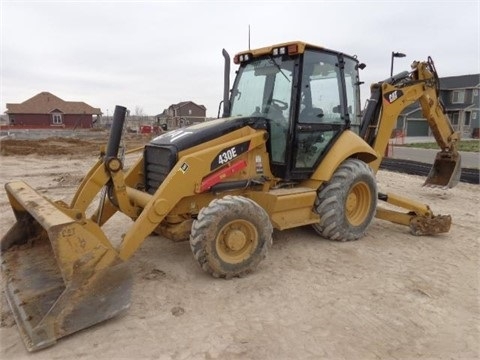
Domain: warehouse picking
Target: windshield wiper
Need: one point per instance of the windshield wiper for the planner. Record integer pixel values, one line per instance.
(278, 67)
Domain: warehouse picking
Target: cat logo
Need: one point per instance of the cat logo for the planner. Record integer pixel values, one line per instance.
(392, 96)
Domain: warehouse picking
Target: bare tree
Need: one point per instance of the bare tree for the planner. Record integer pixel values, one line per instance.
(139, 111)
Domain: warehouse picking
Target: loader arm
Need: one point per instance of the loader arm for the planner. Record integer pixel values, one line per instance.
(390, 97)
(184, 180)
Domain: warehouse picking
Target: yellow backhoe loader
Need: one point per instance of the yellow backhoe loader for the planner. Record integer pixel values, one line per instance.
(292, 148)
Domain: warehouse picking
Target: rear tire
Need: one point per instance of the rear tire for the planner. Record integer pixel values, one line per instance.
(231, 236)
(347, 203)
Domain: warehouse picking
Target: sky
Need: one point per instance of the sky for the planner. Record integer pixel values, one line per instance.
(147, 55)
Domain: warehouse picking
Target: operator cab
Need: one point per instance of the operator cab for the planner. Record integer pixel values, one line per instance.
(309, 96)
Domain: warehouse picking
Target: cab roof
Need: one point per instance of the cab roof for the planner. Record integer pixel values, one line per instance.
(301, 46)
(290, 47)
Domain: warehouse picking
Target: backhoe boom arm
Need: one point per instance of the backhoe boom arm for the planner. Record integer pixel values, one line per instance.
(390, 97)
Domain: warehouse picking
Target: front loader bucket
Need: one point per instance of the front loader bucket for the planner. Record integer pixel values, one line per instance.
(61, 274)
(446, 170)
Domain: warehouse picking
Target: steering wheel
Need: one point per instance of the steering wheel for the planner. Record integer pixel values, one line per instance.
(281, 105)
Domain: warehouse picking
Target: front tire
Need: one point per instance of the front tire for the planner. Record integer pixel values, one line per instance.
(231, 236)
(347, 203)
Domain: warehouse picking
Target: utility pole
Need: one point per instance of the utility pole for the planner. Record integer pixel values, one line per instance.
(394, 55)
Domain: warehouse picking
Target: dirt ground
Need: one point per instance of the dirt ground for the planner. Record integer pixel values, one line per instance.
(389, 295)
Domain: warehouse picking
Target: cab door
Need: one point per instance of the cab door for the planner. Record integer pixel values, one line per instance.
(320, 115)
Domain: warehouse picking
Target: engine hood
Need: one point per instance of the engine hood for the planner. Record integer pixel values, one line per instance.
(193, 135)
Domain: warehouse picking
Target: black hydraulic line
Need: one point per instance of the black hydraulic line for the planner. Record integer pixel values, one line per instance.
(230, 185)
(371, 115)
(468, 175)
(382, 196)
(397, 77)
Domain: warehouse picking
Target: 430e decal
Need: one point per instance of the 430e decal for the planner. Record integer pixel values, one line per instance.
(228, 154)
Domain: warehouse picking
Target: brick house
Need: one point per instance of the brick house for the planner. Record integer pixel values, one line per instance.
(460, 96)
(182, 114)
(47, 111)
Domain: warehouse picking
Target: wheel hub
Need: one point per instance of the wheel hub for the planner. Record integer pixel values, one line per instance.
(352, 201)
(235, 240)
(358, 203)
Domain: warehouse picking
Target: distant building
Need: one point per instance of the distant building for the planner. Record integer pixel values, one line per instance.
(3, 120)
(460, 96)
(47, 111)
(182, 114)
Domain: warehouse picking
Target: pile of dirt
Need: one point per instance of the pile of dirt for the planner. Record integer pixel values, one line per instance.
(51, 146)
(67, 180)
(63, 146)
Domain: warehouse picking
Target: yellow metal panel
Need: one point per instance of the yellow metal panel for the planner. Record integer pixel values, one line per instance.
(393, 216)
(408, 204)
(25, 199)
(348, 145)
(287, 208)
(288, 199)
(291, 219)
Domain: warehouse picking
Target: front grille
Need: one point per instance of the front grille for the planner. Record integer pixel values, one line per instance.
(158, 162)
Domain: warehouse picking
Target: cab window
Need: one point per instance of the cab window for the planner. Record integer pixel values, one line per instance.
(320, 115)
(263, 87)
(352, 87)
(320, 89)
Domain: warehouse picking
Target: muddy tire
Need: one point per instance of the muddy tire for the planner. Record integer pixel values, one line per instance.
(347, 203)
(231, 236)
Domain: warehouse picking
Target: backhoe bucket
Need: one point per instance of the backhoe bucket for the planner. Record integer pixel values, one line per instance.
(446, 170)
(61, 273)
